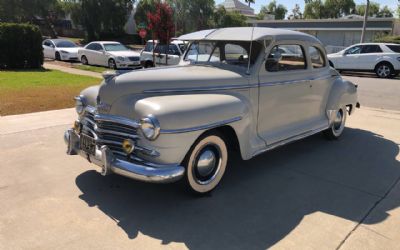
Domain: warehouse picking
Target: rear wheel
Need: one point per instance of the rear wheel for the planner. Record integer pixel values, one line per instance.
(384, 70)
(149, 64)
(84, 60)
(338, 125)
(206, 163)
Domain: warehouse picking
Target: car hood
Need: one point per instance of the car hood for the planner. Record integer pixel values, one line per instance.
(70, 50)
(157, 81)
(123, 53)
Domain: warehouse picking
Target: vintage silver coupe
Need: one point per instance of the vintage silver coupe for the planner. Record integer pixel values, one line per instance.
(250, 89)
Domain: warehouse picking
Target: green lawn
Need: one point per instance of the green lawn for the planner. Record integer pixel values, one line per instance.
(97, 69)
(39, 90)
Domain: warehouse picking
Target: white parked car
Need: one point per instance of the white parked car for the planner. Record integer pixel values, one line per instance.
(241, 96)
(109, 54)
(175, 51)
(381, 58)
(60, 49)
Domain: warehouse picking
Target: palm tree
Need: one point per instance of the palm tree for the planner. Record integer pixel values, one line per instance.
(250, 1)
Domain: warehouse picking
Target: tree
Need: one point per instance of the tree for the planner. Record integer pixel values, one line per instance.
(250, 2)
(201, 13)
(272, 8)
(339, 8)
(223, 18)
(296, 12)
(314, 9)
(373, 9)
(385, 12)
(143, 7)
(103, 18)
(161, 22)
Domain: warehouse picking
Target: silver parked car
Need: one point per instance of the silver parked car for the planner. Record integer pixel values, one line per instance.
(246, 89)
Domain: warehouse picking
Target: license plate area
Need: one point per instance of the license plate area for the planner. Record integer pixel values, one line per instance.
(88, 144)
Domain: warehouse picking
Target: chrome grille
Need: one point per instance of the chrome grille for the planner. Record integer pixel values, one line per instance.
(134, 58)
(109, 130)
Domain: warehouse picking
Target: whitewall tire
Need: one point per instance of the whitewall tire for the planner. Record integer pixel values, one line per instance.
(206, 163)
(338, 124)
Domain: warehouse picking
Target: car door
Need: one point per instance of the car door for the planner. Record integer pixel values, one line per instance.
(284, 93)
(174, 55)
(89, 52)
(49, 49)
(321, 83)
(369, 56)
(350, 59)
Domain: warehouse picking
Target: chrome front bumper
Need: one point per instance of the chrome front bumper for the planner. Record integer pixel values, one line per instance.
(110, 164)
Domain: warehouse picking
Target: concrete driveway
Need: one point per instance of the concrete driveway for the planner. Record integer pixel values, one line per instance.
(312, 194)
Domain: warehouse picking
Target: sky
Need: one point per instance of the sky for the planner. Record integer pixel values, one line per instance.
(290, 3)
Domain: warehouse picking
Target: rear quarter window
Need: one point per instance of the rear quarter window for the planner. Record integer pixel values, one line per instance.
(394, 48)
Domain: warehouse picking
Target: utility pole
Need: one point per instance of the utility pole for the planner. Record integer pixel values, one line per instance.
(365, 22)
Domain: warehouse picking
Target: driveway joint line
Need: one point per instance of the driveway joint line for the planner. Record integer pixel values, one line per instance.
(35, 129)
(368, 213)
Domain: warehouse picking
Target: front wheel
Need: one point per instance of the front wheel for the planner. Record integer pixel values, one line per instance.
(206, 163)
(112, 64)
(58, 56)
(338, 125)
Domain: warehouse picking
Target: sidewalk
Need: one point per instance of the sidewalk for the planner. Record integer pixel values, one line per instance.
(72, 70)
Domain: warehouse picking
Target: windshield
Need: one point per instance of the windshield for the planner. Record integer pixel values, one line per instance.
(223, 52)
(65, 44)
(115, 47)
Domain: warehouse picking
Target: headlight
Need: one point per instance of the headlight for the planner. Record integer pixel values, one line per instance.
(120, 58)
(150, 127)
(64, 52)
(80, 104)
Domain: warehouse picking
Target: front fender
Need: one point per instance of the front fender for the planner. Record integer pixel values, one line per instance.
(183, 118)
(343, 93)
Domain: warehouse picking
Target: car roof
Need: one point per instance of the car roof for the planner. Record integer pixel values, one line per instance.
(103, 42)
(375, 44)
(248, 34)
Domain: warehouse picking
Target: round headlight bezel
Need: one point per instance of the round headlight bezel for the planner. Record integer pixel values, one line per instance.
(80, 104)
(150, 127)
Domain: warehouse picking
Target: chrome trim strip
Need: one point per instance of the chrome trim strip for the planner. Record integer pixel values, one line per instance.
(291, 139)
(202, 127)
(283, 83)
(117, 119)
(229, 87)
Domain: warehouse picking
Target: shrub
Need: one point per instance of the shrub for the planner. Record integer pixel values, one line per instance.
(20, 46)
(388, 39)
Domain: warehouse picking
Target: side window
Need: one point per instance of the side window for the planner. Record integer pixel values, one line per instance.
(317, 57)
(173, 50)
(98, 47)
(367, 49)
(286, 58)
(46, 43)
(91, 46)
(353, 50)
(149, 47)
(235, 54)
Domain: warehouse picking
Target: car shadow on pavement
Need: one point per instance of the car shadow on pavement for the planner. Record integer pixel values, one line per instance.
(259, 201)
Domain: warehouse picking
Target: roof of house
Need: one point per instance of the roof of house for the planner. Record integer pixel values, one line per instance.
(236, 5)
(247, 34)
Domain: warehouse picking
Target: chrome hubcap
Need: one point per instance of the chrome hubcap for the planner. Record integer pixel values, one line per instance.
(207, 164)
(338, 120)
(383, 71)
(111, 64)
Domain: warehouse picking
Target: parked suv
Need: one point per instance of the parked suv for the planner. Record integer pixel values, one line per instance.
(381, 58)
(175, 51)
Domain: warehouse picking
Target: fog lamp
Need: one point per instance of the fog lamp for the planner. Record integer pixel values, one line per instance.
(128, 146)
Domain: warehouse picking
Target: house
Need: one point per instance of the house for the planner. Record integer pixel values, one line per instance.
(336, 32)
(236, 5)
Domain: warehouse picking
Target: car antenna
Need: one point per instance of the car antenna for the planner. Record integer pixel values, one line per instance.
(251, 48)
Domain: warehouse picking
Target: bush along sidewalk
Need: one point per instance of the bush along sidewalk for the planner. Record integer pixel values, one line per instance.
(20, 46)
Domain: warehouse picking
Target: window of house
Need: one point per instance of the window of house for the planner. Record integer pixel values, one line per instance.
(286, 58)
(317, 57)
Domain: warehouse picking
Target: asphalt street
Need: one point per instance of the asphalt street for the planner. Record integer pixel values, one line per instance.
(312, 194)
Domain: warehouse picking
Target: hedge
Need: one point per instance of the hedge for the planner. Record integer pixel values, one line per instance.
(20, 46)
(388, 39)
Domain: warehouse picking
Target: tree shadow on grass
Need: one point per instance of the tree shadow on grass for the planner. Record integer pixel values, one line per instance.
(259, 201)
